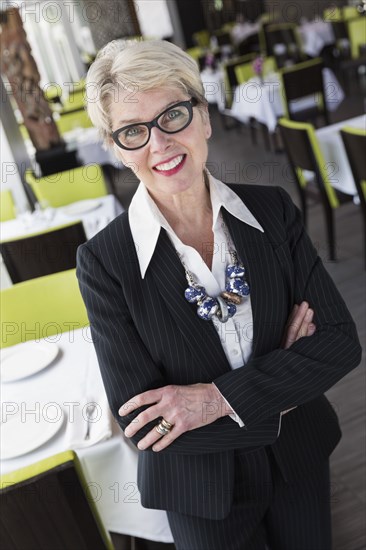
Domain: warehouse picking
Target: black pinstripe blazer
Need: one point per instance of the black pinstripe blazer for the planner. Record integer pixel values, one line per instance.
(147, 335)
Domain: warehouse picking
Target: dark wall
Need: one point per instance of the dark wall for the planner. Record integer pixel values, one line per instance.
(250, 9)
(191, 17)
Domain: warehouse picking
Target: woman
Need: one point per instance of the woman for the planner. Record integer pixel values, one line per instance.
(198, 297)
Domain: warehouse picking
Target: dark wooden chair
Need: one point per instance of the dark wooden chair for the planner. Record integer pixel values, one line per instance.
(47, 506)
(42, 253)
(303, 152)
(355, 144)
(304, 80)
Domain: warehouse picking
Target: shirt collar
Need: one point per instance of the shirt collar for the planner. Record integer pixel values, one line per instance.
(146, 220)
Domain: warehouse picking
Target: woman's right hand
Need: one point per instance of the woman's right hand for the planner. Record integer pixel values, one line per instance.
(299, 324)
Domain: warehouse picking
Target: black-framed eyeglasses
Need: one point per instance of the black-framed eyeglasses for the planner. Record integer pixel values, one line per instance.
(174, 119)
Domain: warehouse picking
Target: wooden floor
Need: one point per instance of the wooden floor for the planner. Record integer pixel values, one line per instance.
(234, 159)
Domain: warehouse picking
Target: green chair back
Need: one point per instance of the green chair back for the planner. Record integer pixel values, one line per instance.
(246, 71)
(357, 35)
(55, 190)
(75, 101)
(7, 206)
(304, 151)
(196, 52)
(201, 38)
(49, 505)
(41, 307)
(230, 78)
(350, 12)
(354, 140)
(68, 121)
(332, 14)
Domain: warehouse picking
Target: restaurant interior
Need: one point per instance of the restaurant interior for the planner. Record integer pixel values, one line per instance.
(285, 84)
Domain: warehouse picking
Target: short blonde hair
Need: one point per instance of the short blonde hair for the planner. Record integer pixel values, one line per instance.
(137, 66)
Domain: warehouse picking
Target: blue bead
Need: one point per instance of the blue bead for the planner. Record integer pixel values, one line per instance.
(194, 293)
(237, 286)
(231, 309)
(236, 270)
(245, 290)
(208, 308)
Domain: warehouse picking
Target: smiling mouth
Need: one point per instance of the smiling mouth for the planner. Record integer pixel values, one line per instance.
(171, 165)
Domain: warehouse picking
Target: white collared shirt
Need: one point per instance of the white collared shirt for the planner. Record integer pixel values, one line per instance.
(146, 220)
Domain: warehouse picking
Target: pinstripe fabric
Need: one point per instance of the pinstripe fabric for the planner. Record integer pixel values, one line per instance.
(266, 514)
(146, 335)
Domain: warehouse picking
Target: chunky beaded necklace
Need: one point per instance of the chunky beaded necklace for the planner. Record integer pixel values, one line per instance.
(236, 287)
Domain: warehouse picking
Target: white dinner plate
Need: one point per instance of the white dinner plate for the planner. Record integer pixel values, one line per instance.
(27, 430)
(81, 207)
(26, 359)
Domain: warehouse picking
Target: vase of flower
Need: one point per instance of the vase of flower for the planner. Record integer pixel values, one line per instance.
(258, 67)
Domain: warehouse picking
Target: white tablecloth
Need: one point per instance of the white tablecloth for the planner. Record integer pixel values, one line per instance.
(110, 466)
(335, 155)
(241, 31)
(315, 35)
(94, 220)
(213, 85)
(263, 101)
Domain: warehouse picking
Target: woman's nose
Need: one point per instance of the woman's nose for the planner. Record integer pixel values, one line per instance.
(159, 140)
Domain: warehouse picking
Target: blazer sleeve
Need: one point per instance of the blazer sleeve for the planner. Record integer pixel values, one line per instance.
(282, 378)
(127, 368)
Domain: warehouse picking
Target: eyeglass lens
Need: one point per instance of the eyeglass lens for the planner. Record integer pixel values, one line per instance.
(171, 121)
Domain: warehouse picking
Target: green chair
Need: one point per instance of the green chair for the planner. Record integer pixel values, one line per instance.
(74, 102)
(48, 505)
(196, 52)
(333, 13)
(245, 71)
(303, 151)
(354, 140)
(230, 75)
(350, 12)
(40, 308)
(42, 253)
(68, 121)
(7, 206)
(86, 182)
(285, 34)
(201, 38)
(53, 92)
(304, 80)
(357, 35)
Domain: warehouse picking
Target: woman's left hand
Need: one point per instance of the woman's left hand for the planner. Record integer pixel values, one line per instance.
(189, 407)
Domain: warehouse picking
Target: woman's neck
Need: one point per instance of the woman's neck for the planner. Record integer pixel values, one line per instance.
(187, 211)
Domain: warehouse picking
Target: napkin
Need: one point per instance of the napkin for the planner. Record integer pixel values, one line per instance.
(92, 409)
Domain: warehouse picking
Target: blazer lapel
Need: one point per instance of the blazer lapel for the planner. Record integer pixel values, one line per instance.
(169, 277)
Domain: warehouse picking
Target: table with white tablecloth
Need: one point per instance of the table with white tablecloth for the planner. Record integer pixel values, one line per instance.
(263, 101)
(335, 155)
(60, 392)
(315, 35)
(94, 213)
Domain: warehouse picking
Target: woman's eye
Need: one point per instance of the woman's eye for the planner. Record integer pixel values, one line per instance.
(175, 113)
(132, 132)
